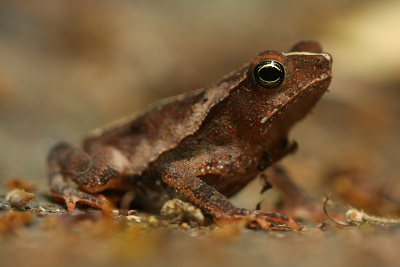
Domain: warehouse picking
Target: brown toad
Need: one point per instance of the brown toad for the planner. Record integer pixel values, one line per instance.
(205, 145)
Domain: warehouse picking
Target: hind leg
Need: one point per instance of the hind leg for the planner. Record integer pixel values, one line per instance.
(94, 171)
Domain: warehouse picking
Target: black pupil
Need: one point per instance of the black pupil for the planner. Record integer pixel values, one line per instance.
(269, 73)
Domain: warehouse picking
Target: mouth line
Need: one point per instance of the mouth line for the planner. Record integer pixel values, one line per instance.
(307, 90)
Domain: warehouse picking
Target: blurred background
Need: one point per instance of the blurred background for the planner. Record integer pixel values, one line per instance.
(67, 67)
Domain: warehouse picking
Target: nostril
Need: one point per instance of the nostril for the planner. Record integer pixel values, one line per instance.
(325, 60)
(328, 58)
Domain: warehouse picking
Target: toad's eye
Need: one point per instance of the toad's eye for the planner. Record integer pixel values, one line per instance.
(269, 74)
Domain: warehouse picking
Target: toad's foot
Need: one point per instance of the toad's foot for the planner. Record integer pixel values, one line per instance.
(72, 196)
(263, 219)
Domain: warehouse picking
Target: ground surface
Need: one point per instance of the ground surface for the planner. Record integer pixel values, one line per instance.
(69, 67)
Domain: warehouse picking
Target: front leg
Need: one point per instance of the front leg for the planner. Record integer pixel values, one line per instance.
(94, 172)
(181, 175)
(296, 202)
